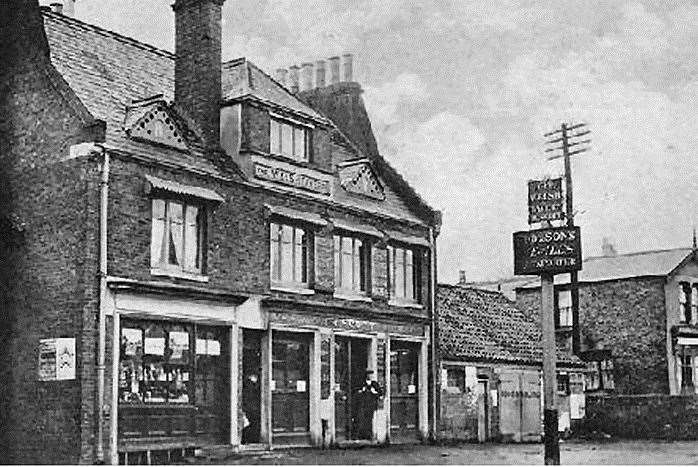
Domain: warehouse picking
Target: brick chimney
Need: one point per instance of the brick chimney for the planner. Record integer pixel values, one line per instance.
(198, 64)
(462, 280)
(64, 7)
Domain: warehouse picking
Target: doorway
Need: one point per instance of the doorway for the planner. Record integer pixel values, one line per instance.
(351, 361)
(404, 391)
(251, 385)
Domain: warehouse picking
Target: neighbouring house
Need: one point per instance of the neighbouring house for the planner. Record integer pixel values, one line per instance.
(196, 254)
(491, 362)
(638, 320)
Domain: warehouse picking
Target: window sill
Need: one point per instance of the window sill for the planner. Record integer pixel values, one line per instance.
(190, 276)
(405, 304)
(352, 297)
(292, 289)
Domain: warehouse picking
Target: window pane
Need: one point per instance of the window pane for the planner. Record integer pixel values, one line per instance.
(337, 263)
(299, 143)
(286, 253)
(157, 234)
(191, 239)
(275, 252)
(298, 256)
(409, 275)
(286, 140)
(564, 298)
(399, 272)
(347, 263)
(364, 268)
(274, 137)
(176, 232)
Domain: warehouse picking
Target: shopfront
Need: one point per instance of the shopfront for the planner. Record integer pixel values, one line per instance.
(404, 391)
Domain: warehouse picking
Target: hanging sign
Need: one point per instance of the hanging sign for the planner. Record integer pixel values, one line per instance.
(547, 251)
(57, 359)
(545, 200)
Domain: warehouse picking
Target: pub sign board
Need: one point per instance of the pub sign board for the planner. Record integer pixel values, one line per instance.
(545, 200)
(554, 250)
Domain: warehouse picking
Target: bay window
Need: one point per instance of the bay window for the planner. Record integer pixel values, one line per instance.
(289, 250)
(351, 265)
(288, 139)
(176, 236)
(404, 274)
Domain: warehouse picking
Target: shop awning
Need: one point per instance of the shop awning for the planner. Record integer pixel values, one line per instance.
(409, 239)
(289, 213)
(180, 189)
(357, 228)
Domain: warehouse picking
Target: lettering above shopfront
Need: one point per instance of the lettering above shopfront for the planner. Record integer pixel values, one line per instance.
(547, 251)
(292, 178)
(545, 200)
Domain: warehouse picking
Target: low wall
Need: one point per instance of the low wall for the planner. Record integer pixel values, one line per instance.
(642, 416)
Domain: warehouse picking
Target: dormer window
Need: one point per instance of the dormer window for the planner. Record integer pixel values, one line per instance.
(288, 139)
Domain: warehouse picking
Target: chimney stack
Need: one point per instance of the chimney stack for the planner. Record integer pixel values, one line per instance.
(63, 7)
(307, 77)
(461, 278)
(281, 74)
(293, 78)
(334, 69)
(347, 76)
(320, 74)
(607, 248)
(198, 64)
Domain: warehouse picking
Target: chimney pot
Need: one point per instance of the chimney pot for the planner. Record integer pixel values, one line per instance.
(334, 69)
(57, 7)
(461, 277)
(293, 78)
(348, 68)
(307, 76)
(281, 74)
(320, 74)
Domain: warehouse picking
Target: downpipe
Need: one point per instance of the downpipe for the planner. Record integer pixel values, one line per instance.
(101, 343)
(434, 324)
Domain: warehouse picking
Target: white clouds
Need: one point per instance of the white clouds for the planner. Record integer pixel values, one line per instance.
(383, 101)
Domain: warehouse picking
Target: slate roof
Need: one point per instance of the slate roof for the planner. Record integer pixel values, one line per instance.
(242, 78)
(644, 263)
(481, 325)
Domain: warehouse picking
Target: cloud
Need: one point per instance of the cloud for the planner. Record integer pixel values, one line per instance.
(382, 101)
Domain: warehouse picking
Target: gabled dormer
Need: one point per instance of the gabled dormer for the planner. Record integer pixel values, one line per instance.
(153, 121)
(359, 177)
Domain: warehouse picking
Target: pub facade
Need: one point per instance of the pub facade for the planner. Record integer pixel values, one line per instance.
(243, 263)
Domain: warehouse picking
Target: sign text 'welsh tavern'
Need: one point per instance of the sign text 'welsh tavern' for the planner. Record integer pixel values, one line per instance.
(545, 200)
(291, 178)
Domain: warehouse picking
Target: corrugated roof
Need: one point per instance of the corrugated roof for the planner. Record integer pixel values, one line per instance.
(242, 78)
(643, 263)
(480, 325)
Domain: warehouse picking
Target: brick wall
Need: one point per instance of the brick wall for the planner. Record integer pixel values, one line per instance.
(642, 416)
(628, 317)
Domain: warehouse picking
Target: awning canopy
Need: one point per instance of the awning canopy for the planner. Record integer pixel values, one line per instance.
(289, 213)
(357, 228)
(409, 239)
(180, 189)
(687, 340)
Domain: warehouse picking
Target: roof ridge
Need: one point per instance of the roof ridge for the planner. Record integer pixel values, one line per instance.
(639, 253)
(106, 32)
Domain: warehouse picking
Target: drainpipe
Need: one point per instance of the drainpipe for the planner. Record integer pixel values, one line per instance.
(101, 343)
(434, 347)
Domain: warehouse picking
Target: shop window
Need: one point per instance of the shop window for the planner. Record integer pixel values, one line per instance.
(403, 372)
(352, 259)
(288, 139)
(455, 380)
(289, 366)
(177, 237)
(599, 375)
(404, 274)
(157, 363)
(563, 304)
(289, 249)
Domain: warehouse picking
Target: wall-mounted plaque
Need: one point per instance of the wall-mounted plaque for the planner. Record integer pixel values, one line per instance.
(291, 177)
(57, 359)
(547, 251)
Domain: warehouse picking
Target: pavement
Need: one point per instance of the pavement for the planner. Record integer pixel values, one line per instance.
(645, 452)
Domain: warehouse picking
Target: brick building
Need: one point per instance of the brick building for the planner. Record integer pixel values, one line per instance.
(196, 254)
(491, 361)
(637, 320)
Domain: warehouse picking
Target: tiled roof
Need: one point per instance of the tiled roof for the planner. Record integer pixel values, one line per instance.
(481, 325)
(644, 263)
(242, 78)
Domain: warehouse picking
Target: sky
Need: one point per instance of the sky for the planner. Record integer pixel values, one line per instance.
(461, 92)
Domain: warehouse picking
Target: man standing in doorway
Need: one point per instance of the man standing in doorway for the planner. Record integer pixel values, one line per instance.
(367, 403)
(251, 408)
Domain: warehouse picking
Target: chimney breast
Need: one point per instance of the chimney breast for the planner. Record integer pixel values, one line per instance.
(334, 69)
(307, 77)
(348, 75)
(293, 78)
(461, 277)
(198, 64)
(281, 74)
(320, 74)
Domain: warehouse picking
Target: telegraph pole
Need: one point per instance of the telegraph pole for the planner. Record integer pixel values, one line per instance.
(569, 146)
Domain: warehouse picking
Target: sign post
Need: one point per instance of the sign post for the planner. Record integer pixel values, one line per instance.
(546, 252)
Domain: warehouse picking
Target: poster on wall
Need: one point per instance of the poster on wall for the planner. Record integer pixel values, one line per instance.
(57, 359)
